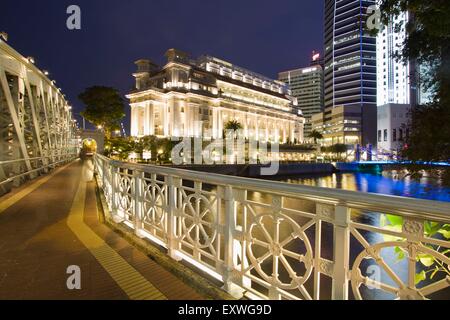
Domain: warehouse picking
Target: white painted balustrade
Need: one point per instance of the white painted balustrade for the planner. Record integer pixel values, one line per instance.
(274, 240)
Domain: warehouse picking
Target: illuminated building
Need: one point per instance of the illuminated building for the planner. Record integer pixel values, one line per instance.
(306, 85)
(397, 89)
(338, 125)
(392, 129)
(393, 77)
(193, 98)
(350, 78)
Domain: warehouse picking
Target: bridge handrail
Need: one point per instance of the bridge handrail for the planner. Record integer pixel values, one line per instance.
(66, 157)
(5, 162)
(404, 206)
(231, 227)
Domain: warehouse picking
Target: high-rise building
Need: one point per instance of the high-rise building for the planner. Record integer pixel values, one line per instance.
(350, 78)
(306, 85)
(398, 87)
(197, 97)
(393, 76)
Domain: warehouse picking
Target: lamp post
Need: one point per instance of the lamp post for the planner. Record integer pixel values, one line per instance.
(4, 36)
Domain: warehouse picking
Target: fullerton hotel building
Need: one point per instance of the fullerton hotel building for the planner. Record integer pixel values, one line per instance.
(196, 98)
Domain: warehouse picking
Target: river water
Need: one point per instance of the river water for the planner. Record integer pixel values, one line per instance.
(390, 182)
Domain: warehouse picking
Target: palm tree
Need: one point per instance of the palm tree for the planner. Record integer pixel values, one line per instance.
(316, 135)
(233, 125)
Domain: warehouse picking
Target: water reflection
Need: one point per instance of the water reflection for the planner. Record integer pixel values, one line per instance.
(392, 182)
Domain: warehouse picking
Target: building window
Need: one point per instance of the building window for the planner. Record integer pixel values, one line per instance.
(400, 131)
(385, 134)
(379, 135)
(394, 135)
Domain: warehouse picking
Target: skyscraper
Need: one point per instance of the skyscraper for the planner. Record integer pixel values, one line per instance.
(397, 89)
(306, 85)
(393, 77)
(350, 69)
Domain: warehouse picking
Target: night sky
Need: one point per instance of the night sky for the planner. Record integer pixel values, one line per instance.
(265, 36)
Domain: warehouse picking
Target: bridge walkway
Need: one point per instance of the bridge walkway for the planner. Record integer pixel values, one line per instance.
(50, 224)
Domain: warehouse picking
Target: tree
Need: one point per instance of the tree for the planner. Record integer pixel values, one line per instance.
(233, 125)
(316, 135)
(427, 43)
(104, 107)
(120, 147)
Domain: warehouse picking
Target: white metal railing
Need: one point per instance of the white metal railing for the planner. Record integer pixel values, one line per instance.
(274, 240)
(39, 165)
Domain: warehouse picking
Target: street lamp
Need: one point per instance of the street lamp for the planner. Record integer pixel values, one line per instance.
(4, 36)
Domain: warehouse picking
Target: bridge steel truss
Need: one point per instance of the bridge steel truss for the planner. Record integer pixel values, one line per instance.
(36, 126)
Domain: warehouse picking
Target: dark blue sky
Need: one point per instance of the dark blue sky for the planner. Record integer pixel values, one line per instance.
(266, 36)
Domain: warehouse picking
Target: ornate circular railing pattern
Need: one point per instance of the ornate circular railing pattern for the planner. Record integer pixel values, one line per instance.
(125, 194)
(275, 248)
(198, 220)
(154, 204)
(402, 291)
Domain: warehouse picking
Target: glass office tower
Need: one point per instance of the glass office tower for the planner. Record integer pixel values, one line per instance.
(350, 72)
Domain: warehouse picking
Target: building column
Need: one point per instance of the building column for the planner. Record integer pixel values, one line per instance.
(187, 120)
(246, 135)
(172, 117)
(133, 128)
(214, 123)
(151, 118)
(165, 120)
(220, 123)
(256, 126)
(147, 119)
(292, 129)
(194, 117)
(277, 132)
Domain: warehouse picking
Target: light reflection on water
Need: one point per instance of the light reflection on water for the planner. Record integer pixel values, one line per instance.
(391, 182)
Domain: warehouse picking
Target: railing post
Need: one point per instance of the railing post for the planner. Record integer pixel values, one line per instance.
(114, 191)
(138, 204)
(341, 252)
(94, 164)
(172, 241)
(103, 172)
(228, 271)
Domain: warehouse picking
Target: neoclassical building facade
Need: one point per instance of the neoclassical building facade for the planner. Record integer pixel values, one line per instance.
(196, 98)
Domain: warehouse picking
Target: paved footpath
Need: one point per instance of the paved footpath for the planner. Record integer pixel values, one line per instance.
(50, 224)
